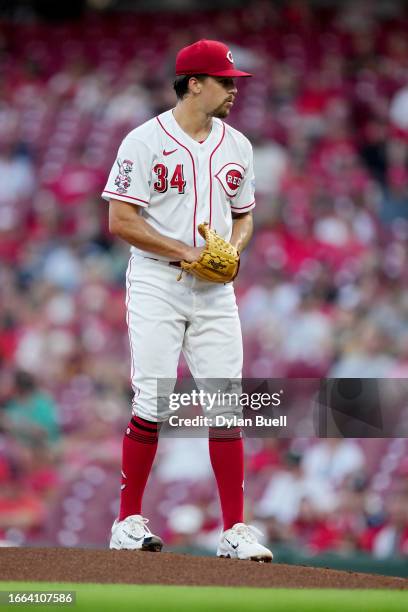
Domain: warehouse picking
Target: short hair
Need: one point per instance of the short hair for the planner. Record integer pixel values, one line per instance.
(180, 84)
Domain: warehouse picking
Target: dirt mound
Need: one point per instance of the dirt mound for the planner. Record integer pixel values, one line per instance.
(105, 566)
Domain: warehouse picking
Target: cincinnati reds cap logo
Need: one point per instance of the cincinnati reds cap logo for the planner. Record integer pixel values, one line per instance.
(229, 57)
(231, 176)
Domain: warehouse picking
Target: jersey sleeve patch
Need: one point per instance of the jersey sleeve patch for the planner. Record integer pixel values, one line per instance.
(129, 178)
(123, 179)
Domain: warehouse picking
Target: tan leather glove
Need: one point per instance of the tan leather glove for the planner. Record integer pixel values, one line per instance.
(219, 261)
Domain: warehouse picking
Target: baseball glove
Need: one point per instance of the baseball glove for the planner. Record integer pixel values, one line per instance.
(219, 261)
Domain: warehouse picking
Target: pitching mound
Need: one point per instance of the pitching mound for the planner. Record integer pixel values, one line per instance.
(105, 566)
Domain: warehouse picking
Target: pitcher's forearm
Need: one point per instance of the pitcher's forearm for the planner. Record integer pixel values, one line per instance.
(242, 230)
(126, 223)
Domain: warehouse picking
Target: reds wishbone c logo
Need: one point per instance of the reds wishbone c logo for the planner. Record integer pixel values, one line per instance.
(231, 176)
(229, 57)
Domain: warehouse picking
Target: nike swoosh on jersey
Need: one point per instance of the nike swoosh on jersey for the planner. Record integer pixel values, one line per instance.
(169, 152)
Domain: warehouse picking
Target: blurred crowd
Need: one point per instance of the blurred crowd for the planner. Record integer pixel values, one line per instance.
(310, 496)
(322, 290)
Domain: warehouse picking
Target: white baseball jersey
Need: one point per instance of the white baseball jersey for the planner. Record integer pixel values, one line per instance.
(179, 182)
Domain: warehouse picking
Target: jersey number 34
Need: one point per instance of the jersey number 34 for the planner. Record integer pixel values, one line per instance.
(176, 182)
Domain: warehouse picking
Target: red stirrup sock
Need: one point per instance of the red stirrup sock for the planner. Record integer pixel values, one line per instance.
(138, 452)
(227, 459)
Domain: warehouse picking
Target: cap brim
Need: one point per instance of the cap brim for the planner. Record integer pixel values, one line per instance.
(230, 73)
(223, 73)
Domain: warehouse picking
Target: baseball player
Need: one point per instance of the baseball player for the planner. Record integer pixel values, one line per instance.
(178, 179)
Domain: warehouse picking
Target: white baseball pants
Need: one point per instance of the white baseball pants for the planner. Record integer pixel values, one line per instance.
(166, 317)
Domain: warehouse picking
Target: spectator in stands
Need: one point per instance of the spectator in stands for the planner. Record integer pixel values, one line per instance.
(21, 508)
(312, 530)
(391, 539)
(288, 488)
(31, 414)
(332, 460)
(366, 356)
(17, 177)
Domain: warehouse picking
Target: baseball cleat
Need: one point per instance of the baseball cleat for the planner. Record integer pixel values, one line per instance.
(133, 534)
(240, 542)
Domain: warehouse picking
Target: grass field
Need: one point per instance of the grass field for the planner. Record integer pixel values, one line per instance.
(115, 597)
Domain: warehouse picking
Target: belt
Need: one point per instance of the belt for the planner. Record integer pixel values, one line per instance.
(177, 264)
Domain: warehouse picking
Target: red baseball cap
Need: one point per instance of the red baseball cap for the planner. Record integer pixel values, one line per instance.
(207, 57)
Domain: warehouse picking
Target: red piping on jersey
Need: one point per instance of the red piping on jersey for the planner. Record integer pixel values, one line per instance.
(218, 178)
(243, 207)
(128, 284)
(222, 138)
(230, 164)
(126, 196)
(132, 365)
(194, 175)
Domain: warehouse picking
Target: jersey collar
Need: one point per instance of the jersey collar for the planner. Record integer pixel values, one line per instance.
(174, 129)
